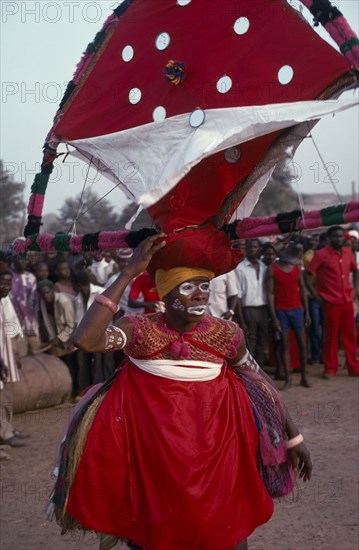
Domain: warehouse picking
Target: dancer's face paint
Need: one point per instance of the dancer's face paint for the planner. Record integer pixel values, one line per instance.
(189, 287)
(178, 305)
(190, 298)
(196, 310)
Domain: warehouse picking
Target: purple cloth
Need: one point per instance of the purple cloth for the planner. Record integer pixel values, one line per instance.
(26, 303)
(273, 462)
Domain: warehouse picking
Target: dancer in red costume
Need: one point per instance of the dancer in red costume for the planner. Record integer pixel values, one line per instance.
(168, 456)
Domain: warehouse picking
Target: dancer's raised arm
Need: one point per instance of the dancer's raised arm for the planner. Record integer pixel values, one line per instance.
(91, 334)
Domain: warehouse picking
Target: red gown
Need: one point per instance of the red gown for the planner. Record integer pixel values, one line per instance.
(169, 464)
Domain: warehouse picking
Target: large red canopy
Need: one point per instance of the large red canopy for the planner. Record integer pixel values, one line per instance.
(251, 42)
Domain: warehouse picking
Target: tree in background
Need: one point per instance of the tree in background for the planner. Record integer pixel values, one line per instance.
(278, 195)
(90, 215)
(12, 207)
(142, 220)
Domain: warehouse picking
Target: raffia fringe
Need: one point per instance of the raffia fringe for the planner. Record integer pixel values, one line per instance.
(67, 522)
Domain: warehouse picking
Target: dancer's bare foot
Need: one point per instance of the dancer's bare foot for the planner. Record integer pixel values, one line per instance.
(107, 541)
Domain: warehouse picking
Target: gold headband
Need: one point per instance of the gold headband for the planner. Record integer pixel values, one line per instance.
(167, 280)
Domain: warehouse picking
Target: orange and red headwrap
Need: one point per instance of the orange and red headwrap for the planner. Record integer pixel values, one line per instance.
(167, 280)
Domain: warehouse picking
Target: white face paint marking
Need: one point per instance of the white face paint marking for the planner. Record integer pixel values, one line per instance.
(178, 305)
(196, 310)
(188, 287)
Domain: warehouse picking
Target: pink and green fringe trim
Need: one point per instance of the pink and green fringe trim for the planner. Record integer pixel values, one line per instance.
(337, 26)
(248, 228)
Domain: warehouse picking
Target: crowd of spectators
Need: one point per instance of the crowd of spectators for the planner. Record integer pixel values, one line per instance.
(292, 298)
(295, 300)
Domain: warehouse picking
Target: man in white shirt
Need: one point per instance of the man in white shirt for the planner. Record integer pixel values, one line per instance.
(58, 314)
(101, 271)
(10, 330)
(92, 367)
(86, 294)
(223, 296)
(252, 300)
(123, 257)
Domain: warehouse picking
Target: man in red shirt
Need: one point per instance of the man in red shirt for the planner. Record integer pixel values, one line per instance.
(145, 286)
(332, 266)
(288, 307)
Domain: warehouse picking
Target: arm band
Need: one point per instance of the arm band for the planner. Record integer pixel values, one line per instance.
(294, 441)
(115, 338)
(106, 302)
(247, 361)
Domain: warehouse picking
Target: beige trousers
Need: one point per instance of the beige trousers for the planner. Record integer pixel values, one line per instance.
(6, 427)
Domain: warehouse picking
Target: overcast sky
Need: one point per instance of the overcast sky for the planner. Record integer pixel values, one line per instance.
(41, 43)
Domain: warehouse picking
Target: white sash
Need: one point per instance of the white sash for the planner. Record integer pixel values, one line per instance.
(199, 371)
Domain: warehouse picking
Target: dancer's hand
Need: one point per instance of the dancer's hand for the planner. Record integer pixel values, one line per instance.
(143, 255)
(301, 461)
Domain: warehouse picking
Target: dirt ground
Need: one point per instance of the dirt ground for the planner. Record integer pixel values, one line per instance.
(320, 515)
